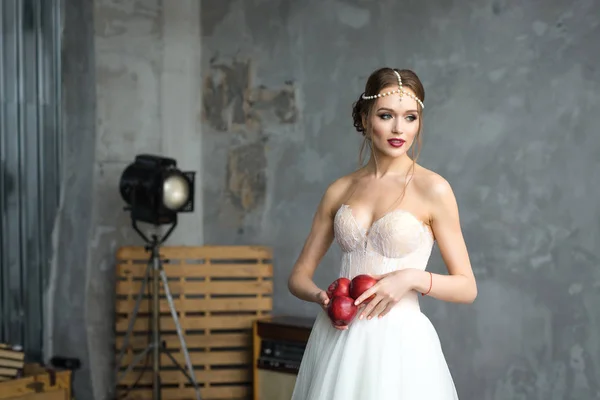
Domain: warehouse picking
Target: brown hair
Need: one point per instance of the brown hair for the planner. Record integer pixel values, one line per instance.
(377, 81)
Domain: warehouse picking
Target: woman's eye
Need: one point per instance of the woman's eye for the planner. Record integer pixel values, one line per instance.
(411, 118)
(385, 116)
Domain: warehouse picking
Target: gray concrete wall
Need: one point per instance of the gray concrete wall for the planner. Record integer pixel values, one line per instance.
(67, 294)
(147, 62)
(511, 121)
(132, 85)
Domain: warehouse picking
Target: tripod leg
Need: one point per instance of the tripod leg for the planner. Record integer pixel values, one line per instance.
(156, 387)
(183, 371)
(136, 360)
(186, 354)
(131, 323)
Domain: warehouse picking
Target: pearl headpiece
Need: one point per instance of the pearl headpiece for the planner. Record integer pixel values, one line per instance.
(400, 91)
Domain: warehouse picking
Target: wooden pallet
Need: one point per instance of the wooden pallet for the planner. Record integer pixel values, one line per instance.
(218, 292)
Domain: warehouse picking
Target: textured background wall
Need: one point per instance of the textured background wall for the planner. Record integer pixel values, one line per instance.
(512, 90)
(65, 300)
(131, 80)
(512, 93)
(148, 83)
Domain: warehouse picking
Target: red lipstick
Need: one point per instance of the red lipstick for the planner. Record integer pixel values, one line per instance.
(396, 142)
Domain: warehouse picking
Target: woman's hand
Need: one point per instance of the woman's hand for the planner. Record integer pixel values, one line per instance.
(388, 291)
(323, 300)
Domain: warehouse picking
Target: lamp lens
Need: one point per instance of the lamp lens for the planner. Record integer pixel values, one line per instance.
(176, 191)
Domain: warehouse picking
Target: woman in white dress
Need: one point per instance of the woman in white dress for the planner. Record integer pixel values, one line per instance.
(386, 217)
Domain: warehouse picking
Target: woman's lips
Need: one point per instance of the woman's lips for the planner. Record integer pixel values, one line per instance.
(396, 142)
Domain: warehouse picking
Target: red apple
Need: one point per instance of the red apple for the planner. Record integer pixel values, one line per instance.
(359, 284)
(341, 310)
(339, 287)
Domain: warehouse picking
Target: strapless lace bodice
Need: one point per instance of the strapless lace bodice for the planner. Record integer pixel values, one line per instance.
(395, 241)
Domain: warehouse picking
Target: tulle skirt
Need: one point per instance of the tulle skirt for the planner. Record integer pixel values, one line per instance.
(397, 357)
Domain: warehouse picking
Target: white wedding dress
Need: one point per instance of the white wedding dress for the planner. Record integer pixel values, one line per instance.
(397, 357)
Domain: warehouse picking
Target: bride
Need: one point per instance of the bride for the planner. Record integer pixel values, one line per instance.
(386, 218)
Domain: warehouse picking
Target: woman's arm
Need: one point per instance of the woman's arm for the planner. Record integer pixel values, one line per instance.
(300, 282)
(459, 286)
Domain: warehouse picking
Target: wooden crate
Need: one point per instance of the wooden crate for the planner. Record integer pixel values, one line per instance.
(55, 385)
(218, 292)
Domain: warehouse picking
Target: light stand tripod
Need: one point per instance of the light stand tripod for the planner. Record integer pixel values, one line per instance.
(155, 264)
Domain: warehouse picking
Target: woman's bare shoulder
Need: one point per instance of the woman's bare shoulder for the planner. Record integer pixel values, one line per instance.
(337, 190)
(432, 186)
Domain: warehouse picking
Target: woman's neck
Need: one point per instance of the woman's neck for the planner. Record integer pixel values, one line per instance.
(382, 166)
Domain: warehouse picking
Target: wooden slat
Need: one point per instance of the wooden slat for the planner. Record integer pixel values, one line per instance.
(8, 371)
(60, 394)
(172, 377)
(200, 305)
(190, 270)
(12, 355)
(197, 253)
(199, 358)
(141, 324)
(223, 340)
(195, 287)
(11, 363)
(230, 393)
(214, 288)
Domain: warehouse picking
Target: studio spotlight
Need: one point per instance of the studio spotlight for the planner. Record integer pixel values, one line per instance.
(155, 190)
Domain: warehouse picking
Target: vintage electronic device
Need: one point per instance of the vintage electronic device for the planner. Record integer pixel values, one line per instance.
(278, 347)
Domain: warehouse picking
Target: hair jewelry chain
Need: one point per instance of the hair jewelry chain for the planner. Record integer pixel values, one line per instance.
(400, 91)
